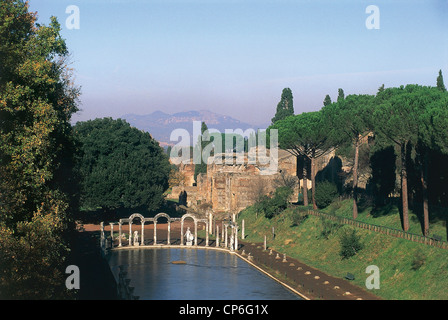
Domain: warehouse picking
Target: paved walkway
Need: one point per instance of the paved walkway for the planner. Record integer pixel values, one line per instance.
(309, 281)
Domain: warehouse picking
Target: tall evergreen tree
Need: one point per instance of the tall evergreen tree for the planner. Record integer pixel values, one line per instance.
(203, 141)
(341, 95)
(440, 83)
(285, 107)
(327, 100)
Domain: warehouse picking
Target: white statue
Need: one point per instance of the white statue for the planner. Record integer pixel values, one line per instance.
(189, 237)
(136, 238)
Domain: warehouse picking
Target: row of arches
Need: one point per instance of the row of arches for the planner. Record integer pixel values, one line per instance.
(135, 241)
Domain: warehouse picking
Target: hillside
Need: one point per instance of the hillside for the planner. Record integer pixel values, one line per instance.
(408, 270)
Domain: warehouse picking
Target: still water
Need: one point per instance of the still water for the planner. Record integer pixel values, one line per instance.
(207, 275)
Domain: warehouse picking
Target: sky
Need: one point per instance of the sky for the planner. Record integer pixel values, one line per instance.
(234, 57)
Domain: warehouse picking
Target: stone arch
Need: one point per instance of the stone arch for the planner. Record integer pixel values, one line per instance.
(188, 215)
(136, 215)
(142, 219)
(156, 217)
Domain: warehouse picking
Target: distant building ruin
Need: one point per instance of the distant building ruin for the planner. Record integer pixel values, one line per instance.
(230, 188)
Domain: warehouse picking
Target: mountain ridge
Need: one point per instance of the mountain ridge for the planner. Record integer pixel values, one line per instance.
(160, 124)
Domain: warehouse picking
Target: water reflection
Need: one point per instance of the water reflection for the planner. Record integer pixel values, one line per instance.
(207, 275)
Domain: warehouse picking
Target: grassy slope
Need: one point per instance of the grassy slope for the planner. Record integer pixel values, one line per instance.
(393, 256)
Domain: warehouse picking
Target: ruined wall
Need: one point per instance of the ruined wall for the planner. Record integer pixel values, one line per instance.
(233, 187)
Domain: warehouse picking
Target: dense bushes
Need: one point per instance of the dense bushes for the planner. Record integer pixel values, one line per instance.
(326, 192)
(350, 243)
(273, 206)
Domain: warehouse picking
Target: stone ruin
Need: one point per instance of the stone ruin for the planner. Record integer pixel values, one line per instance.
(230, 188)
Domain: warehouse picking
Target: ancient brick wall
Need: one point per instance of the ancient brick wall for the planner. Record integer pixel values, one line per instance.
(232, 187)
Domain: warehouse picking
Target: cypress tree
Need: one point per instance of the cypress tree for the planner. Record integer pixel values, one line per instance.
(285, 107)
(327, 100)
(440, 83)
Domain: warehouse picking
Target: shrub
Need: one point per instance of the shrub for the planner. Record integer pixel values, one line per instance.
(328, 227)
(350, 244)
(298, 217)
(273, 206)
(326, 192)
(418, 261)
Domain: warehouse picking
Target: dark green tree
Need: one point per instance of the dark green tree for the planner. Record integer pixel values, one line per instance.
(201, 145)
(121, 166)
(327, 100)
(440, 83)
(341, 95)
(305, 135)
(433, 118)
(405, 116)
(37, 100)
(350, 119)
(285, 107)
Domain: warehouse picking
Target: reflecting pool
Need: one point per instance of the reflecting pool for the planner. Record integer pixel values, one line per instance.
(206, 275)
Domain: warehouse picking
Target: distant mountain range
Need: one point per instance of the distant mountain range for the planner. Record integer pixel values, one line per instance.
(160, 124)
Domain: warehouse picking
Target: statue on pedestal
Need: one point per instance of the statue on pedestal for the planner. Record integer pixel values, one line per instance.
(189, 237)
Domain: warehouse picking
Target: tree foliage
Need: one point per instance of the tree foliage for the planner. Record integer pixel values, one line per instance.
(341, 95)
(202, 143)
(440, 84)
(402, 116)
(121, 166)
(327, 100)
(350, 243)
(407, 124)
(305, 135)
(350, 119)
(272, 206)
(37, 184)
(285, 107)
(326, 192)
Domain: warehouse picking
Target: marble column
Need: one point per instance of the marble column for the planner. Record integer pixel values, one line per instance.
(236, 238)
(195, 233)
(119, 234)
(225, 237)
(182, 233)
(217, 236)
(169, 232)
(142, 242)
(155, 232)
(210, 218)
(206, 234)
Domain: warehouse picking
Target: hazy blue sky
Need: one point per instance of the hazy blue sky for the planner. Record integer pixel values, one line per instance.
(235, 57)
